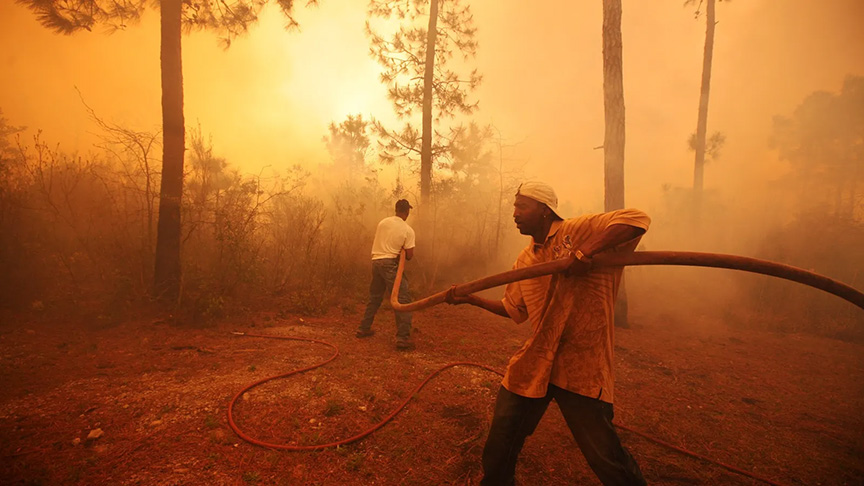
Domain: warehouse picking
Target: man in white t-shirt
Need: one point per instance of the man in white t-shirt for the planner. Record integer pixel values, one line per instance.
(392, 235)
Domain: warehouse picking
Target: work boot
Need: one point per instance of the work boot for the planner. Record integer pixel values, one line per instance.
(364, 333)
(404, 344)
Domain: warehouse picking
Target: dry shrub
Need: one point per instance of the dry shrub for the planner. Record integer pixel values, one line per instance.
(80, 230)
(72, 230)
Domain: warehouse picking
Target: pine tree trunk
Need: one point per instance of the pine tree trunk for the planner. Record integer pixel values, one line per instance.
(702, 122)
(167, 272)
(613, 146)
(500, 215)
(613, 98)
(429, 71)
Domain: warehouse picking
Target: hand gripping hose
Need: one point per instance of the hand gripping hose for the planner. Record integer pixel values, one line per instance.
(687, 258)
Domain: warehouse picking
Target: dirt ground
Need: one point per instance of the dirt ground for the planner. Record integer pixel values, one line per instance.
(787, 407)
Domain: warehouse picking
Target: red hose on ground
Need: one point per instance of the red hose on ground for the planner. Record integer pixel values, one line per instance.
(357, 437)
(239, 394)
(404, 403)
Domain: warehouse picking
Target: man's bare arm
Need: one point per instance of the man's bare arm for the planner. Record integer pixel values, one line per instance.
(409, 254)
(609, 238)
(494, 306)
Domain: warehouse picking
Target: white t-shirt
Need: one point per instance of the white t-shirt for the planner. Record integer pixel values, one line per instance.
(392, 235)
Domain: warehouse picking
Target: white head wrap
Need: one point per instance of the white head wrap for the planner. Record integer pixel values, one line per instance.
(540, 192)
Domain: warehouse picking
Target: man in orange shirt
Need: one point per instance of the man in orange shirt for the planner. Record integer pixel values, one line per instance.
(569, 354)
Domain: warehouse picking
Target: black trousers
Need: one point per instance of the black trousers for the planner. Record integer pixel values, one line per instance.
(589, 419)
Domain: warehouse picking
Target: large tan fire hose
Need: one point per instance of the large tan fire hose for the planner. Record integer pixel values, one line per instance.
(687, 258)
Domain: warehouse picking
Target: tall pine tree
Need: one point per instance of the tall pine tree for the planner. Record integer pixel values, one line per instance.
(416, 61)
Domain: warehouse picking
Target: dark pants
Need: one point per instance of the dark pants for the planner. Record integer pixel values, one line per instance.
(383, 275)
(590, 421)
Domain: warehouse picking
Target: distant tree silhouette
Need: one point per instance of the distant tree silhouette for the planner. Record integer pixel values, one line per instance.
(6, 132)
(348, 146)
(712, 145)
(226, 19)
(824, 142)
(415, 61)
(699, 142)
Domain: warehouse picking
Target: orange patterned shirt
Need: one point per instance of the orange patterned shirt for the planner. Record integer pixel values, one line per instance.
(572, 317)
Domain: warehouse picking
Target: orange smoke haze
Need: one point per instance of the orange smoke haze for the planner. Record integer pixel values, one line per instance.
(268, 99)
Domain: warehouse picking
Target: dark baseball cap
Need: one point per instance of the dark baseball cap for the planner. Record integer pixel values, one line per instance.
(403, 205)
